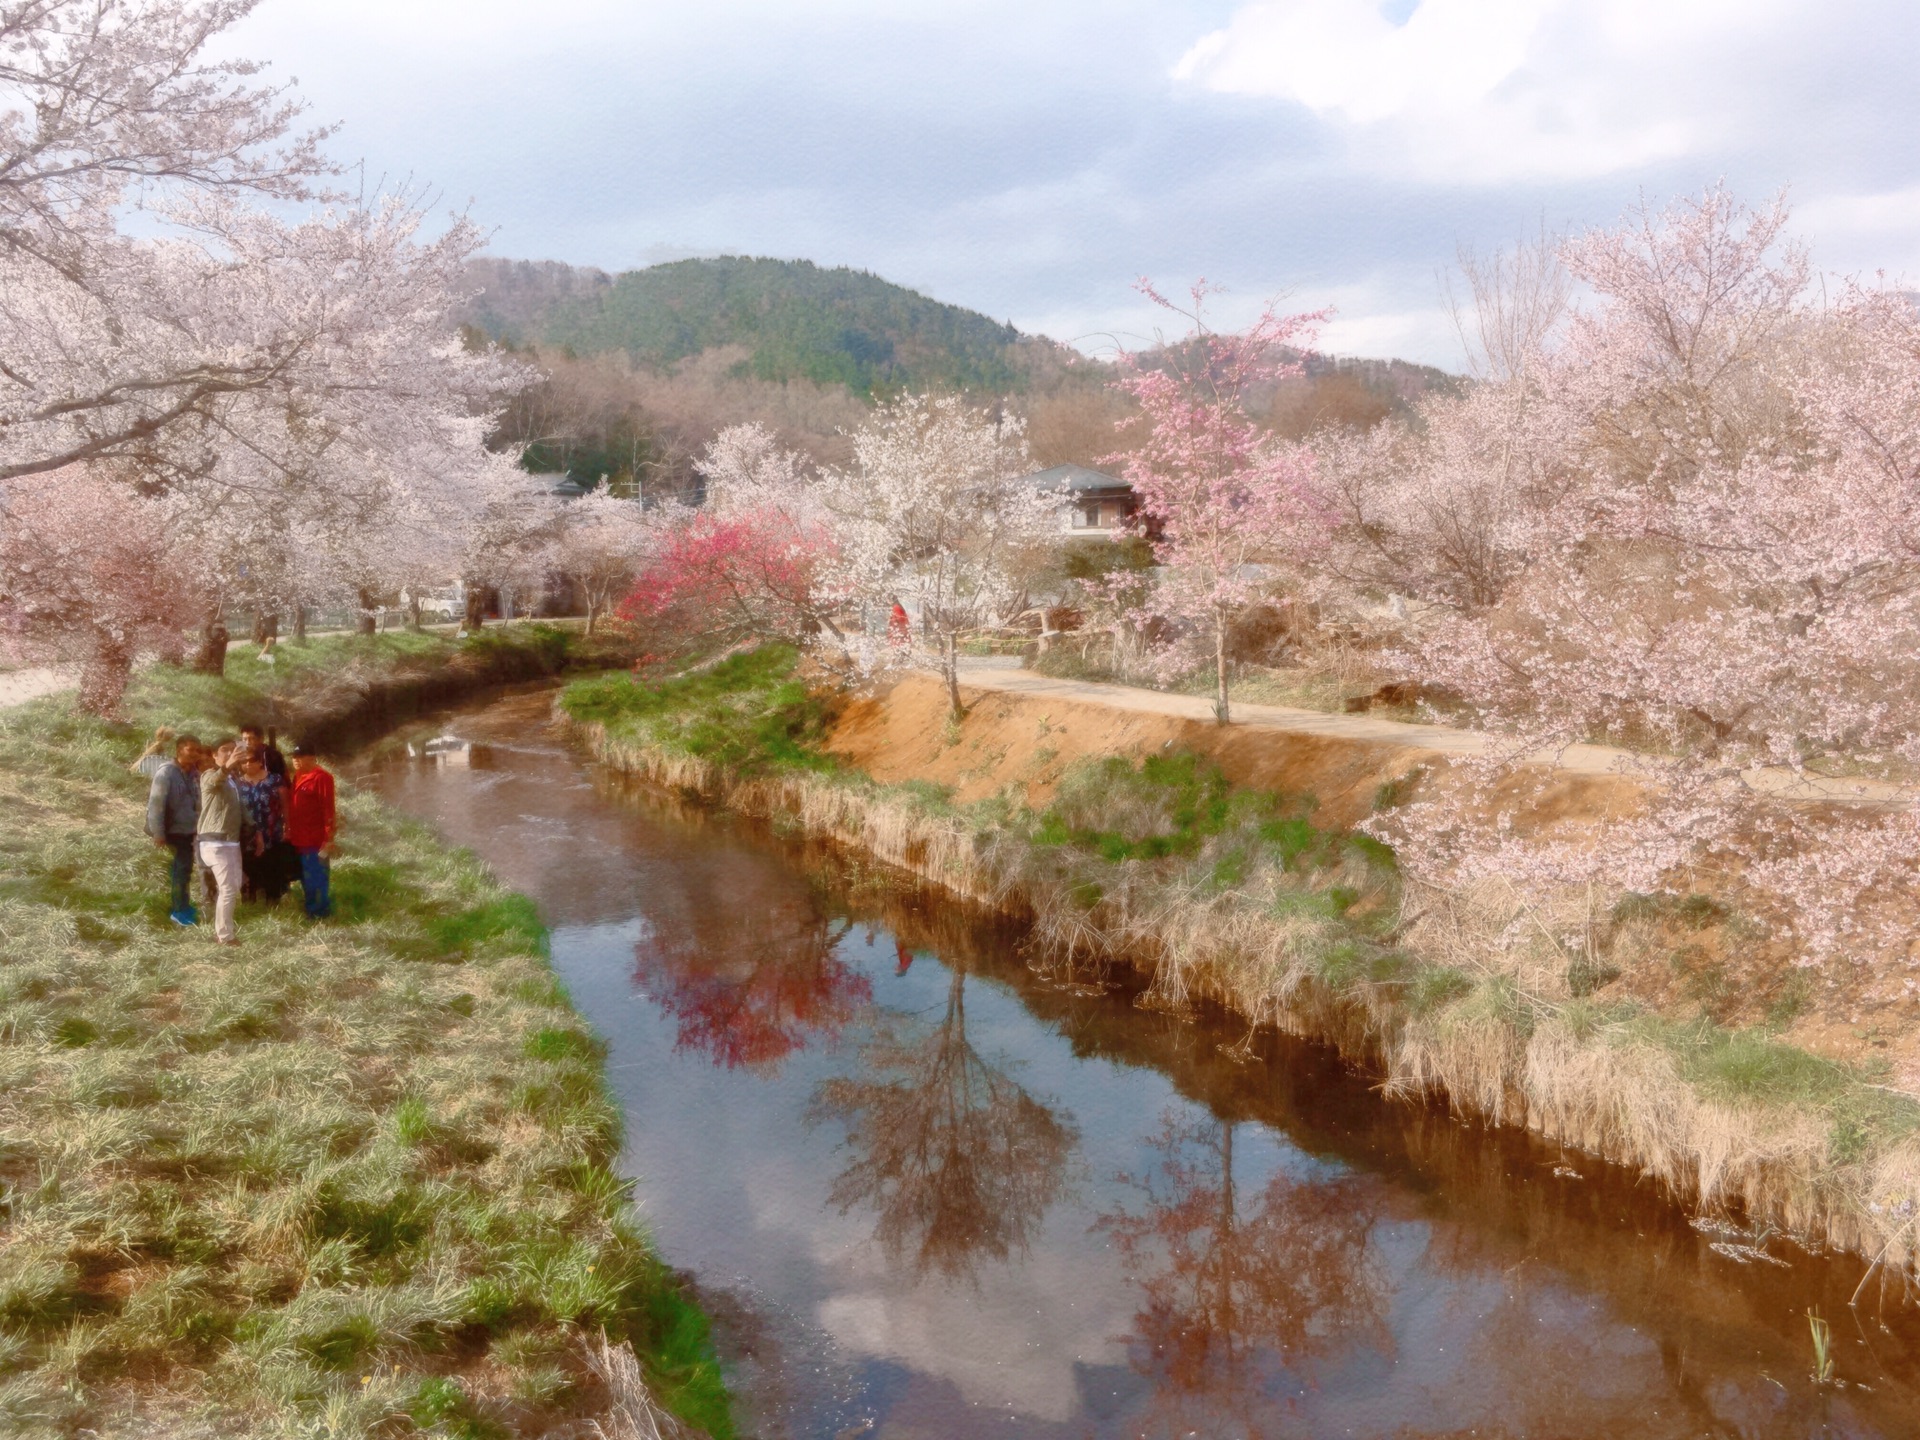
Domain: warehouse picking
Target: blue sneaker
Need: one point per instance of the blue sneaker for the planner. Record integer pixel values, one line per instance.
(188, 916)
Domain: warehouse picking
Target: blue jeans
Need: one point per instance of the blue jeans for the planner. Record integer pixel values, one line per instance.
(316, 883)
(180, 873)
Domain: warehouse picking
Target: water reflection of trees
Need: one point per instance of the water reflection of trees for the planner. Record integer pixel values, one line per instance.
(749, 968)
(959, 1161)
(1240, 1292)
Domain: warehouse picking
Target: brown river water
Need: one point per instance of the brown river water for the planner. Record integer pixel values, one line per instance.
(927, 1192)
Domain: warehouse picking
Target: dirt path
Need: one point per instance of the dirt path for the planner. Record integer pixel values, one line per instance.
(1575, 759)
(19, 686)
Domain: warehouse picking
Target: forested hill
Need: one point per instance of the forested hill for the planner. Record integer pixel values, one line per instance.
(792, 319)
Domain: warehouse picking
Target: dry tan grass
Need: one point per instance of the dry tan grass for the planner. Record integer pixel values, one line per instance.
(632, 1413)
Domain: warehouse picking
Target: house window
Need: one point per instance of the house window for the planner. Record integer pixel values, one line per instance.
(1087, 518)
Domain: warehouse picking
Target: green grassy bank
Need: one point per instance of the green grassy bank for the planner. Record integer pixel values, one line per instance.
(1237, 896)
(346, 1179)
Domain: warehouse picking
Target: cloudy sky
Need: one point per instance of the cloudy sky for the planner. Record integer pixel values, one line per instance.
(1029, 158)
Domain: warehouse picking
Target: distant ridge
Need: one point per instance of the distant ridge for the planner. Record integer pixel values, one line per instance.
(794, 325)
(793, 320)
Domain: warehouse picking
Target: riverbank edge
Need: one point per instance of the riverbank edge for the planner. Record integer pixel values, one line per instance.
(1493, 1053)
(351, 708)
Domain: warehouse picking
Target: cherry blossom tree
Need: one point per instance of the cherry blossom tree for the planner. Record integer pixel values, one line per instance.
(600, 543)
(1715, 560)
(1221, 495)
(285, 379)
(745, 469)
(104, 347)
(90, 573)
(935, 511)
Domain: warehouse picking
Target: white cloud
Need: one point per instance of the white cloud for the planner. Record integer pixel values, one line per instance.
(1345, 57)
(1490, 91)
(1864, 233)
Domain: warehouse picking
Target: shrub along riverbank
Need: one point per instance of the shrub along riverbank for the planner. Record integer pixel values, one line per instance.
(1237, 896)
(346, 1179)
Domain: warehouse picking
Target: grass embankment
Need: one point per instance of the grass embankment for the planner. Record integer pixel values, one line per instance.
(346, 1179)
(341, 688)
(1237, 896)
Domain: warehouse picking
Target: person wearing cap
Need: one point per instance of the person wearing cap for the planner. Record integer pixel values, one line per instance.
(310, 827)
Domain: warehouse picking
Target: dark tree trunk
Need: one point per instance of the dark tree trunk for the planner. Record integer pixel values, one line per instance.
(413, 610)
(476, 607)
(364, 621)
(266, 628)
(300, 623)
(103, 679)
(211, 657)
(952, 668)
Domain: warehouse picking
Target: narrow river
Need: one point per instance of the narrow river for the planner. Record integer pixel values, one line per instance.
(928, 1193)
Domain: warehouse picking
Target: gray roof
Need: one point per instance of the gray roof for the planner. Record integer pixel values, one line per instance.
(1076, 480)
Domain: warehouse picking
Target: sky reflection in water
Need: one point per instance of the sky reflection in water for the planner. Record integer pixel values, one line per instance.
(930, 1194)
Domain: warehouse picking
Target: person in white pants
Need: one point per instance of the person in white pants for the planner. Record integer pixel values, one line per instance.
(223, 823)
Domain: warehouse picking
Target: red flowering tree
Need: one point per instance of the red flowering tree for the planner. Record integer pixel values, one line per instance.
(1222, 494)
(720, 580)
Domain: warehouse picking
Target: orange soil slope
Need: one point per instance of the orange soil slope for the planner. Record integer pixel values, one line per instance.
(1015, 740)
(1027, 741)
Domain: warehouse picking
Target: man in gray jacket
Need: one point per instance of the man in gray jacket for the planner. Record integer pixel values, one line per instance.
(173, 817)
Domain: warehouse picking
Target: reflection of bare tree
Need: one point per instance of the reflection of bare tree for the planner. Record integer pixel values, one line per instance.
(751, 977)
(960, 1162)
(1238, 1296)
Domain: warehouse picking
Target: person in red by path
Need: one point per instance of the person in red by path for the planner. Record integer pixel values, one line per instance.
(310, 828)
(898, 627)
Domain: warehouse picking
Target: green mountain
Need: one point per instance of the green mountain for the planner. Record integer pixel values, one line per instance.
(793, 319)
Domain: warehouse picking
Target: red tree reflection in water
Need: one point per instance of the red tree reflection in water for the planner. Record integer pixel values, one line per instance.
(959, 1161)
(1240, 1292)
(750, 972)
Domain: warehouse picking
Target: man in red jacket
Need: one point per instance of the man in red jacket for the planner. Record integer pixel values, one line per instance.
(310, 827)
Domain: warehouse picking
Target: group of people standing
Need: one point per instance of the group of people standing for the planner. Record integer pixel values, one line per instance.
(255, 819)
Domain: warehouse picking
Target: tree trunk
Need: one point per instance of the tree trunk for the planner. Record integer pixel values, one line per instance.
(951, 665)
(1221, 713)
(593, 613)
(266, 629)
(476, 607)
(103, 679)
(413, 610)
(211, 657)
(300, 623)
(364, 620)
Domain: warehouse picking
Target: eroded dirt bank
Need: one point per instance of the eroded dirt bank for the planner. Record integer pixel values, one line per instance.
(1028, 741)
(1021, 737)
